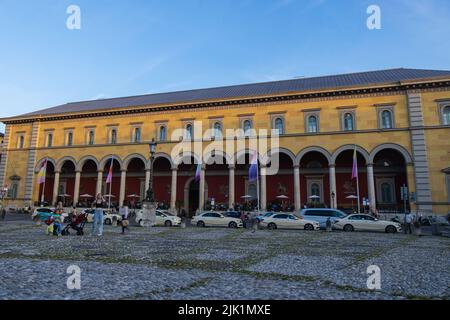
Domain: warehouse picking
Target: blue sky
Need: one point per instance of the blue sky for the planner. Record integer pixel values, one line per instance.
(142, 46)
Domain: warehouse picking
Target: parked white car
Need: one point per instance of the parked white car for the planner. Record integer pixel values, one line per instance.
(215, 219)
(288, 221)
(364, 222)
(163, 218)
(108, 216)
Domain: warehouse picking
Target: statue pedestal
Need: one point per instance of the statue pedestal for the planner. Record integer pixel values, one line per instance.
(148, 214)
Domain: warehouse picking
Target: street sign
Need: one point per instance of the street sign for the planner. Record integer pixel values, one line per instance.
(404, 193)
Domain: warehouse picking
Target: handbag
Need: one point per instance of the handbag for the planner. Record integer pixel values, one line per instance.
(125, 223)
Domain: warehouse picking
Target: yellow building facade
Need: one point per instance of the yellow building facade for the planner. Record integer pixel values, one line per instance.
(398, 121)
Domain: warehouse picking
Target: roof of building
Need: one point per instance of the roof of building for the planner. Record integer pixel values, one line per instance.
(333, 82)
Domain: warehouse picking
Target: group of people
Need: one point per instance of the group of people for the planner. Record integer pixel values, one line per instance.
(99, 205)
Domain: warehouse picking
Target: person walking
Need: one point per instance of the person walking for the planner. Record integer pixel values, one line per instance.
(3, 211)
(98, 205)
(123, 211)
(408, 223)
(255, 223)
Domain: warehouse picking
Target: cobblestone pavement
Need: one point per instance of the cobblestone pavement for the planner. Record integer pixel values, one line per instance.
(193, 263)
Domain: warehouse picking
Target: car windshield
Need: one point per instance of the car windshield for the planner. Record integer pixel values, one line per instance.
(268, 214)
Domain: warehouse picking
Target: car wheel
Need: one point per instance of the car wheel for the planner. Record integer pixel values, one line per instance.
(349, 228)
(272, 226)
(168, 223)
(391, 229)
(309, 227)
(108, 221)
(201, 224)
(232, 225)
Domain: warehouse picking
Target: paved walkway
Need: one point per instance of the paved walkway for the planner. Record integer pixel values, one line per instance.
(192, 263)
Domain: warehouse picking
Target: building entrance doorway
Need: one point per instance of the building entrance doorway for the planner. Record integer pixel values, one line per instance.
(194, 195)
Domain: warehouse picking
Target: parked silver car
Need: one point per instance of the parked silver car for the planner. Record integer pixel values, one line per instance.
(322, 215)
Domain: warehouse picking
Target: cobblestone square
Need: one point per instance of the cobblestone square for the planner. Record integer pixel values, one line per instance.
(194, 263)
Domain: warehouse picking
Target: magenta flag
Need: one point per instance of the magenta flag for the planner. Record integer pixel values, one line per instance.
(110, 173)
(42, 172)
(198, 172)
(355, 165)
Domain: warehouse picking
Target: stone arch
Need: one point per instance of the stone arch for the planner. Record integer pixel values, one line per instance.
(188, 154)
(63, 160)
(165, 156)
(320, 150)
(83, 161)
(347, 147)
(218, 153)
(406, 156)
(139, 156)
(266, 158)
(242, 153)
(38, 164)
(107, 158)
(186, 191)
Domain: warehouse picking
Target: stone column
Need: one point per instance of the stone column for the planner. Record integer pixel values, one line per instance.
(99, 182)
(123, 183)
(55, 188)
(202, 189)
(263, 188)
(371, 187)
(231, 202)
(147, 180)
(76, 192)
(173, 191)
(333, 186)
(297, 195)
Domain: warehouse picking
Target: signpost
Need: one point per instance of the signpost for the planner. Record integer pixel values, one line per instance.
(404, 193)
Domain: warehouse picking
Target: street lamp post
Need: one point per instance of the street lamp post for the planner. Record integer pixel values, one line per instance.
(150, 197)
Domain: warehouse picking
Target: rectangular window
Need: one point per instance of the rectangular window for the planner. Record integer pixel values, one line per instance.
(278, 123)
(50, 140)
(444, 112)
(70, 138)
(386, 119)
(348, 119)
(312, 121)
(21, 141)
(91, 137)
(137, 135)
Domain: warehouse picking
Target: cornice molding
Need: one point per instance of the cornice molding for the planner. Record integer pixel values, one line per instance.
(255, 102)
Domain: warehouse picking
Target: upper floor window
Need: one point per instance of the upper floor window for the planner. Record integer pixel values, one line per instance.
(50, 140)
(189, 132)
(217, 131)
(279, 126)
(21, 142)
(163, 133)
(70, 138)
(91, 137)
(137, 135)
(446, 115)
(313, 126)
(386, 119)
(247, 127)
(113, 136)
(349, 122)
